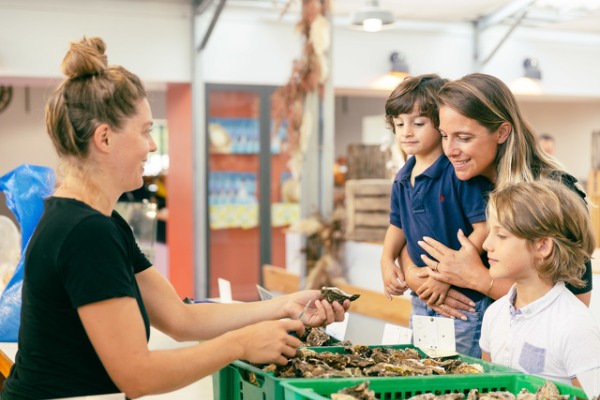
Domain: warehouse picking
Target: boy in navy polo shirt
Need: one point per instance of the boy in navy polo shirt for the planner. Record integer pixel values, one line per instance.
(428, 200)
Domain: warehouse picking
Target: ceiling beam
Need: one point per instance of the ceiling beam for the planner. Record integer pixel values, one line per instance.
(516, 9)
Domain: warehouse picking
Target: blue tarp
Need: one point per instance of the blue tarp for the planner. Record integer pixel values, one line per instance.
(25, 188)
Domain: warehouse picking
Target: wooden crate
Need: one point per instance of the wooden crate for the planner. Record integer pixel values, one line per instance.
(367, 161)
(368, 209)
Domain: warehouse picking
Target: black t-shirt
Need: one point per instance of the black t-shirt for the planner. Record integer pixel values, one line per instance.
(76, 256)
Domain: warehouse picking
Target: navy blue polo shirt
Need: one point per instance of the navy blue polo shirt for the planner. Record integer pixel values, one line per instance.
(437, 206)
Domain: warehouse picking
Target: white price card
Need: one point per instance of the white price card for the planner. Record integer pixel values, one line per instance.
(225, 291)
(434, 335)
(396, 334)
(337, 330)
(264, 293)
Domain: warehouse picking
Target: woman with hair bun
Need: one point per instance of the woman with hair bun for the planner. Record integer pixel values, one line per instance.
(90, 295)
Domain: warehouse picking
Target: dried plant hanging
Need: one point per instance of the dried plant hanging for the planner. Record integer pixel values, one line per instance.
(309, 73)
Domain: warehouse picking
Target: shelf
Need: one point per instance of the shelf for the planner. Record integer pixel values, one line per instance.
(245, 216)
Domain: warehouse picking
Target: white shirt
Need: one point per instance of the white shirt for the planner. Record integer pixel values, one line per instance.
(555, 337)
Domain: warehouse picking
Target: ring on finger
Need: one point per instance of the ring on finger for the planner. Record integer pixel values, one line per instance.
(436, 266)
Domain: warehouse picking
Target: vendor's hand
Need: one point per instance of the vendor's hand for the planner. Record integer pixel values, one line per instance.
(433, 292)
(269, 341)
(462, 268)
(393, 279)
(319, 312)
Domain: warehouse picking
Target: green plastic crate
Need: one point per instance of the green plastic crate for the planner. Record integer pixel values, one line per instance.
(406, 387)
(233, 381)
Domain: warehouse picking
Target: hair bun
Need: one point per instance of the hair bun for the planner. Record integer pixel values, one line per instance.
(85, 58)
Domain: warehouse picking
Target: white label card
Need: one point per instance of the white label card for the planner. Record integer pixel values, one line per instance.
(225, 291)
(396, 334)
(264, 293)
(337, 330)
(434, 335)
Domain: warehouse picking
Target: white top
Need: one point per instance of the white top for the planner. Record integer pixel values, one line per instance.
(555, 337)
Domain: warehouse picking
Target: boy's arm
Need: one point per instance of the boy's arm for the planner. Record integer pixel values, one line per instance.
(392, 274)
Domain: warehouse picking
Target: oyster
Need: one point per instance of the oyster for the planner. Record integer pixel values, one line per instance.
(431, 396)
(357, 392)
(332, 294)
(317, 337)
(358, 360)
(550, 391)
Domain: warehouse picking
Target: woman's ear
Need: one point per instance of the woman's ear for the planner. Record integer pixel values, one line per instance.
(504, 132)
(102, 136)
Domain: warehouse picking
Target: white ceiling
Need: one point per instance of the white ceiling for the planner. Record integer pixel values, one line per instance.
(566, 16)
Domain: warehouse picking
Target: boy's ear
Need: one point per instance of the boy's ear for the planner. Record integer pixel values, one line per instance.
(545, 246)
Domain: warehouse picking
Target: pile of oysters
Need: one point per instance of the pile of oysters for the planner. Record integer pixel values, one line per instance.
(548, 391)
(360, 361)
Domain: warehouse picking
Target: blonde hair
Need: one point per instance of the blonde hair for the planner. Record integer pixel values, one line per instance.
(91, 94)
(487, 100)
(548, 209)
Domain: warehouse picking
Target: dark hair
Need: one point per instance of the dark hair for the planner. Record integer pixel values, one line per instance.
(91, 94)
(414, 91)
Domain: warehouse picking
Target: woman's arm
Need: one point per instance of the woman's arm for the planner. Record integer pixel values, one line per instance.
(454, 301)
(434, 290)
(585, 298)
(462, 268)
(169, 314)
(116, 330)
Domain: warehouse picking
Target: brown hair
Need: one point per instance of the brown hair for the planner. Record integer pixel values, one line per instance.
(548, 209)
(416, 90)
(91, 94)
(487, 100)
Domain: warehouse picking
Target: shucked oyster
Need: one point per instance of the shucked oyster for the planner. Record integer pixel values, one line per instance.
(332, 294)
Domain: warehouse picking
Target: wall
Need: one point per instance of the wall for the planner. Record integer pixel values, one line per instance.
(152, 38)
(571, 122)
(23, 129)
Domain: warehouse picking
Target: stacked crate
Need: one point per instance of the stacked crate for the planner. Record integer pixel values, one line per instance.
(368, 209)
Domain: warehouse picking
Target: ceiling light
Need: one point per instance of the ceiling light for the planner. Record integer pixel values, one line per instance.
(532, 69)
(372, 17)
(531, 81)
(395, 75)
(399, 65)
